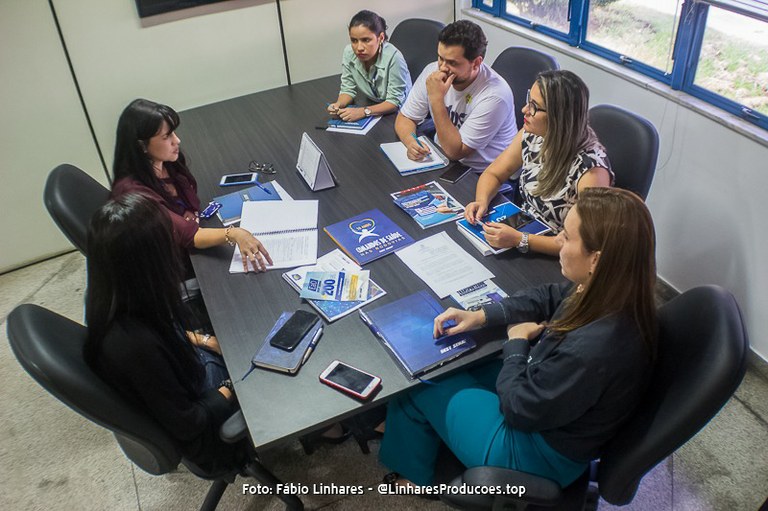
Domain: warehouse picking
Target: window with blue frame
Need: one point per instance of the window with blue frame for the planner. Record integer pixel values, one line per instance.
(716, 50)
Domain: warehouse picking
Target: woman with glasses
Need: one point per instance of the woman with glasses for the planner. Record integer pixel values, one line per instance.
(148, 160)
(577, 361)
(559, 156)
(374, 75)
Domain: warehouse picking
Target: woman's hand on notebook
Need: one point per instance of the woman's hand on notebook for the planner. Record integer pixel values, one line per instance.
(464, 321)
(252, 250)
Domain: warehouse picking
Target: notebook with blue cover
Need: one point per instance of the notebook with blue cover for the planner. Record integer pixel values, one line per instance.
(232, 203)
(405, 328)
(368, 236)
(350, 125)
(283, 361)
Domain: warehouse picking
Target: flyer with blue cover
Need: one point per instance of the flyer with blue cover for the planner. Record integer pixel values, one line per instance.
(405, 327)
(428, 204)
(368, 236)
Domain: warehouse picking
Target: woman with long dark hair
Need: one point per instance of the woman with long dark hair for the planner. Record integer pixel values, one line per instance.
(149, 160)
(374, 74)
(559, 155)
(137, 340)
(577, 361)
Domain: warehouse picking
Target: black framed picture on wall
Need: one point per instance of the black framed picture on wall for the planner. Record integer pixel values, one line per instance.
(152, 7)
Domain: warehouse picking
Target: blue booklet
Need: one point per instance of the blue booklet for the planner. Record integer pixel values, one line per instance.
(232, 203)
(505, 212)
(405, 328)
(428, 204)
(283, 361)
(368, 236)
(350, 125)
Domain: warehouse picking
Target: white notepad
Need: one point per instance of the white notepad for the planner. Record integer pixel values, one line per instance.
(398, 155)
(287, 229)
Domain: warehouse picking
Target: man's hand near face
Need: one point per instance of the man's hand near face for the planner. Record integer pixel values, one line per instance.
(438, 84)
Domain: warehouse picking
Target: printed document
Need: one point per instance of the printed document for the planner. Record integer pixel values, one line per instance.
(443, 265)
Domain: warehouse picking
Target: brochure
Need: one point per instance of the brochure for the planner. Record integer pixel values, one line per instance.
(428, 204)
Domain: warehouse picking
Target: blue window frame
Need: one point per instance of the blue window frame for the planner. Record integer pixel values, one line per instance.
(685, 43)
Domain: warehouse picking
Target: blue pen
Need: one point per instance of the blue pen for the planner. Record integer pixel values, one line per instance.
(312, 345)
(262, 187)
(417, 140)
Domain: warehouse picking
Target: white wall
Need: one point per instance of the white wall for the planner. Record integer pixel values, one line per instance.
(232, 50)
(184, 63)
(43, 125)
(708, 194)
(316, 32)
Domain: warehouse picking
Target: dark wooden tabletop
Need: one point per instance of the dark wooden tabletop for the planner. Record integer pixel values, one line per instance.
(267, 127)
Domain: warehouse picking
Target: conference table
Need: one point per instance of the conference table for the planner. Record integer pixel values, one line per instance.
(267, 126)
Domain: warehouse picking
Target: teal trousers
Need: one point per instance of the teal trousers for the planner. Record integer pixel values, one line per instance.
(463, 411)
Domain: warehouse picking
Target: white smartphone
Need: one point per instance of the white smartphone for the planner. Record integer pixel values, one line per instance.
(238, 179)
(350, 380)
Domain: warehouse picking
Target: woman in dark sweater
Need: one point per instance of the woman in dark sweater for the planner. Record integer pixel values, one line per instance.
(136, 336)
(149, 160)
(577, 361)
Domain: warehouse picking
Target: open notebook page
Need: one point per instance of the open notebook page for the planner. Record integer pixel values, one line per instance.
(287, 229)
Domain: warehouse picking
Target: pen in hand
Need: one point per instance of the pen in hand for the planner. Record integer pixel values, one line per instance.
(417, 140)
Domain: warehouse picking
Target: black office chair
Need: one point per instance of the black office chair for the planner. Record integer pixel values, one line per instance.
(632, 144)
(701, 361)
(50, 348)
(72, 197)
(519, 66)
(417, 40)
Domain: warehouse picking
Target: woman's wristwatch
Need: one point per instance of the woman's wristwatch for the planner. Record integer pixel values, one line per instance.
(523, 247)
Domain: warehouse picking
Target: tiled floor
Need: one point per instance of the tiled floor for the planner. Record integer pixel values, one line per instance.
(51, 458)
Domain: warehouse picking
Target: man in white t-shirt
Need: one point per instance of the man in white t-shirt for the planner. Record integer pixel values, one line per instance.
(471, 105)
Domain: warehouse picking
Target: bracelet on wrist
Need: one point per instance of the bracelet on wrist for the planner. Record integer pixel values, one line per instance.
(206, 338)
(228, 384)
(227, 236)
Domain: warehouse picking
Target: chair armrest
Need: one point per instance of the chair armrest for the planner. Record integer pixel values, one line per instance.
(234, 429)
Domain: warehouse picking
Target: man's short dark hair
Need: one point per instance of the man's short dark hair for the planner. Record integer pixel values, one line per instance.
(466, 34)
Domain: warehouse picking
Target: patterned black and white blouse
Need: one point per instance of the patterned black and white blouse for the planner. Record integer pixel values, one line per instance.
(553, 209)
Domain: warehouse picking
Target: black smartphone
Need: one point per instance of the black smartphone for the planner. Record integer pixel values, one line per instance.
(455, 171)
(518, 220)
(294, 330)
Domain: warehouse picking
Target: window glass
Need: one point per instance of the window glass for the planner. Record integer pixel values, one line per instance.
(642, 30)
(487, 3)
(552, 13)
(734, 59)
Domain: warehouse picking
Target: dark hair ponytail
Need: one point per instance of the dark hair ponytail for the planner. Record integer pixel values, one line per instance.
(371, 21)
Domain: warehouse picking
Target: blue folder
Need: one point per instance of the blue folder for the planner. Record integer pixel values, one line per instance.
(405, 328)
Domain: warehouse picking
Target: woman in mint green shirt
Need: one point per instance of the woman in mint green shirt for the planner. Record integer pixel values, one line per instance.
(374, 73)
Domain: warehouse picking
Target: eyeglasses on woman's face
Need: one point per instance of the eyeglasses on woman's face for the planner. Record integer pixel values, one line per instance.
(532, 106)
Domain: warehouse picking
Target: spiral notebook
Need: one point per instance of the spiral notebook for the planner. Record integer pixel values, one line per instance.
(287, 229)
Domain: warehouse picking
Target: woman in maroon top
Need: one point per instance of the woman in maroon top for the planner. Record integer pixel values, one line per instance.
(148, 161)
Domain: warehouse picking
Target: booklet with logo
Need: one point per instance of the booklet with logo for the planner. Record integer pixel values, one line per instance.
(368, 236)
(428, 204)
